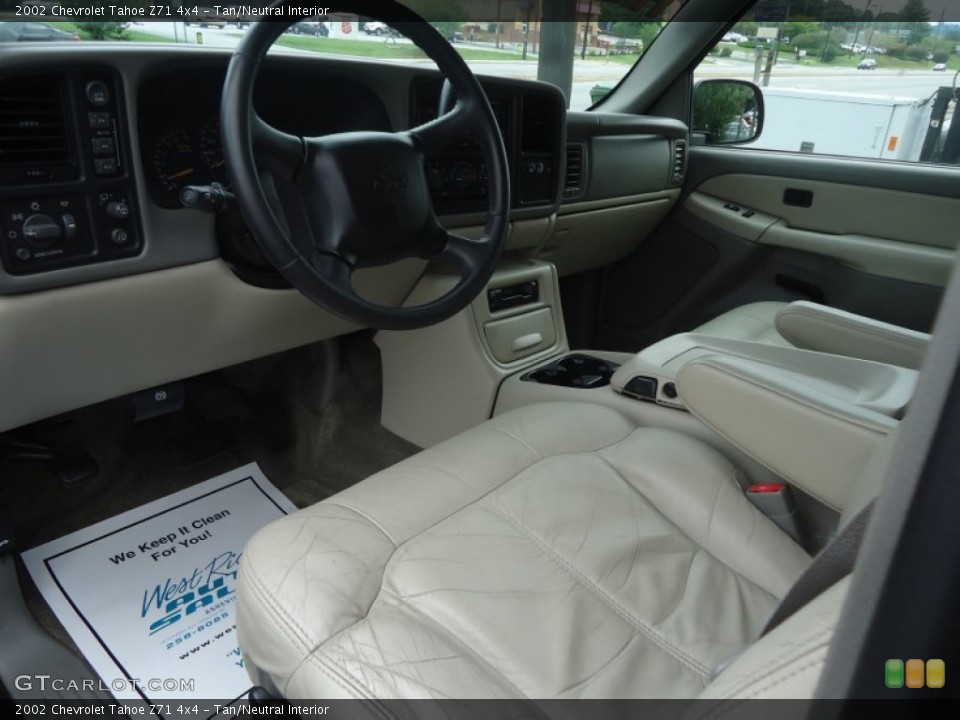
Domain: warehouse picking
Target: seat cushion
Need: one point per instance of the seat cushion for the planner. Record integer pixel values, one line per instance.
(556, 551)
(755, 322)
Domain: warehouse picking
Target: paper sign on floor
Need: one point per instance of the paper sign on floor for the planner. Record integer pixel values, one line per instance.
(148, 596)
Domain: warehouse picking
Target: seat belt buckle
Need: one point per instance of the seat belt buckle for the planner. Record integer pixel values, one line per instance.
(775, 500)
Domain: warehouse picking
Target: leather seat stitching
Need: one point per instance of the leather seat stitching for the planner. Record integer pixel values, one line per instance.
(449, 634)
(700, 547)
(731, 703)
(366, 517)
(785, 658)
(284, 623)
(518, 439)
(604, 597)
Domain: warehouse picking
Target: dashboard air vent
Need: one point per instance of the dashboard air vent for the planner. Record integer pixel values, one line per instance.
(573, 183)
(33, 129)
(679, 160)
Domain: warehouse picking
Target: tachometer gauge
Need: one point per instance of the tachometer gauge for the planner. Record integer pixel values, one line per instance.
(176, 161)
(212, 150)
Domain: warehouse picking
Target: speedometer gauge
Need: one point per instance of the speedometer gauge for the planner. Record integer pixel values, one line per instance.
(175, 161)
(211, 150)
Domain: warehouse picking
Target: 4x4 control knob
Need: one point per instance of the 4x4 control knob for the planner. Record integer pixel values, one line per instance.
(117, 210)
(41, 230)
(119, 236)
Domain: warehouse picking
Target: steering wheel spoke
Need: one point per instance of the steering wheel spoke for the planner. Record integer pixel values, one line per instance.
(278, 152)
(466, 254)
(436, 134)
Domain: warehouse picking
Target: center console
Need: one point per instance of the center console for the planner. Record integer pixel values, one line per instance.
(67, 196)
(653, 374)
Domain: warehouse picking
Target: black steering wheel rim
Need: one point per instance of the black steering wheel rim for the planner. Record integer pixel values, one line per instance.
(289, 187)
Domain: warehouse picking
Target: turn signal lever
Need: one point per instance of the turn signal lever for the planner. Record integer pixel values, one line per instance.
(207, 198)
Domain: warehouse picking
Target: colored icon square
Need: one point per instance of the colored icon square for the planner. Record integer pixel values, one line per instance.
(893, 673)
(914, 673)
(936, 673)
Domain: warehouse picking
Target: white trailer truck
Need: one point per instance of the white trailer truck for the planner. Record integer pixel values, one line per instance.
(834, 123)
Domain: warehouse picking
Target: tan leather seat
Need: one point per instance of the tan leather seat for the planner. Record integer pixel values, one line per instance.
(756, 322)
(556, 551)
(812, 326)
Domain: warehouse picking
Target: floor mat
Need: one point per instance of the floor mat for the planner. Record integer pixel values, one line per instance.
(148, 595)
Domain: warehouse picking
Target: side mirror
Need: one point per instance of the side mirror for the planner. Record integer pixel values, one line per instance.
(727, 112)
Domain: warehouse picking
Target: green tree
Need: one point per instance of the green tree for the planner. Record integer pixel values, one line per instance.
(719, 105)
(644, 31)
(916, 14)
(795, 29)
(915, 11)
(102, 30)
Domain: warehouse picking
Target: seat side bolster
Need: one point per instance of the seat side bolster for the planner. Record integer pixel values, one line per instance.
(787, 663)
(282, 570)
(824, 329)
(809, 438)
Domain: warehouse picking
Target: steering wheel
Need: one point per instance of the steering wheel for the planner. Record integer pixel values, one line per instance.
(321, 207)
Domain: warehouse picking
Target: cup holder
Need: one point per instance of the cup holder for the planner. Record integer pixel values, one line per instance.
(576, 371)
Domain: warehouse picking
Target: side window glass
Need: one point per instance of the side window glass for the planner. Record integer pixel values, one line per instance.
(864, 83)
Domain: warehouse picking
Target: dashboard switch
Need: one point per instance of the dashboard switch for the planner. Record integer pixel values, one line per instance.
(119, 236)
(105, 166)
(99, 120)
(103, 146)
(69, 226)
(41, 230)
(117, 210)
(97, 92)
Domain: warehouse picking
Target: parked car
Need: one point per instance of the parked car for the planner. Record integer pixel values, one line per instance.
(31, 31)
(208, 17)
(940, 67)
(316, 29)
(378, 28)
(867, 64)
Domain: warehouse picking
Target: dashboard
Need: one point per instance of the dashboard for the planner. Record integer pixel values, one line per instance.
(105, 143)
(108, 286)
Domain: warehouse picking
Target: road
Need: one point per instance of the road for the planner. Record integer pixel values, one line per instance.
(587, 73)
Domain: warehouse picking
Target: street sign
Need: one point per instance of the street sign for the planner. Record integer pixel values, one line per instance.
(768, 33)
(771, 12)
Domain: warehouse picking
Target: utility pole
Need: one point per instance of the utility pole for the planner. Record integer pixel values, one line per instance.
(528, 4)
(856, 35)
(498, 22)
(586, 30)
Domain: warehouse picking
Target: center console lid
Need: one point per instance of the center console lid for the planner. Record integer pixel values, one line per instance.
(652, 374)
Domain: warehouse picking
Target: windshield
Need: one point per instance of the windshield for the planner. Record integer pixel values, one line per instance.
(507, 38)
